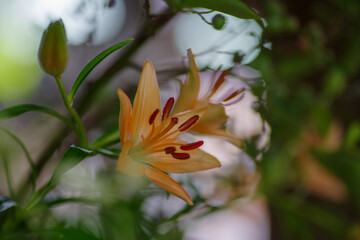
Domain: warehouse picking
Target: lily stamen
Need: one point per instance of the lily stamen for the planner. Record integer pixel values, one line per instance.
(234, 94)
(168, 107)
(173, 122)
(169, 150)
(189, 123)
(219, 82)
(192, 146)
(153, 116)
(180, 156)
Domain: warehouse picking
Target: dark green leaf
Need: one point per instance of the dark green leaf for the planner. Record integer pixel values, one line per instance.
(91, 65)
(17, 110)
(235, 8)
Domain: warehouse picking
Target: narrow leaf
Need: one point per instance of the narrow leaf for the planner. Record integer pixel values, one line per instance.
(235, 8)
(91, 65)
(27, 154)
(6, 203)
(72, 157)
(17, 110)
(110, 137)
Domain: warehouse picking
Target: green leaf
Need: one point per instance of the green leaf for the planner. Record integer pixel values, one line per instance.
(17, 110)
(72, 157)
(27, 154)
(110, 137)
(91, 65)
(235, 8)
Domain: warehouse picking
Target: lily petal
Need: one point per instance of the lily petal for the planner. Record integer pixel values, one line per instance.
(198, 161)
(215, 131)
(147, 100)
(125, 116)
(167, 183)
(215, 115)
(129, 166)
(189, 90)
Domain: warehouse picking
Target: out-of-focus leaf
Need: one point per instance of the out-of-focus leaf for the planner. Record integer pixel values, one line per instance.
(26, 152)
(346, 165)
(298, 215)
(235, 8)
(17, 110)
(353, 135)
(72, 157)
(6, 203)
(92, 64)
(110, 137)
(69, 234)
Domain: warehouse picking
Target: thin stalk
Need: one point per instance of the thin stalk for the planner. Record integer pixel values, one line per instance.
(80, 130)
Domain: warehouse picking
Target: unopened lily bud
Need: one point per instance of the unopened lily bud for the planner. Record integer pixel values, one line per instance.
(53, 53)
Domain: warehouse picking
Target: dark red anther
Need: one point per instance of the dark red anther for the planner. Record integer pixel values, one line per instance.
(220, 80)
(168, 107)
(189, 123)
(180, 156)
(169, 150)
(192, 146)
(153, 116)
(234, 94)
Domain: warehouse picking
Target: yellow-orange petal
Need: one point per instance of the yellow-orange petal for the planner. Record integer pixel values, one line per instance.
(167, 183)
(129, 166)
(198, 161)
(147, 100)
(189, 90)
(124, 116)
(215, 115)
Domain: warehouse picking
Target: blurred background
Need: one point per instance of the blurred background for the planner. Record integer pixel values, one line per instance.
(298, 176)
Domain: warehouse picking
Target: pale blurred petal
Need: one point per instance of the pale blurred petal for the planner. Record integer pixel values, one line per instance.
(213, 131)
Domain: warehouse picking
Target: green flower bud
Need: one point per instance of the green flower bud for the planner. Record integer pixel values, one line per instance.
(53, 53)
(218, 21)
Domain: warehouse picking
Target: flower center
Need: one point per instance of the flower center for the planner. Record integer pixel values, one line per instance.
(161, 137)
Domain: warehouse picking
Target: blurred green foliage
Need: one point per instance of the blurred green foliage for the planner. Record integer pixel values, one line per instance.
(313, 81)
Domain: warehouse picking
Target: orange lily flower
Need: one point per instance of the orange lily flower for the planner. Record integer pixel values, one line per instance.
(150, 144)
(213, 121)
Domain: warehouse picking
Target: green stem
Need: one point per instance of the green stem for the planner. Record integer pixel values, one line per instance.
(80, 130)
